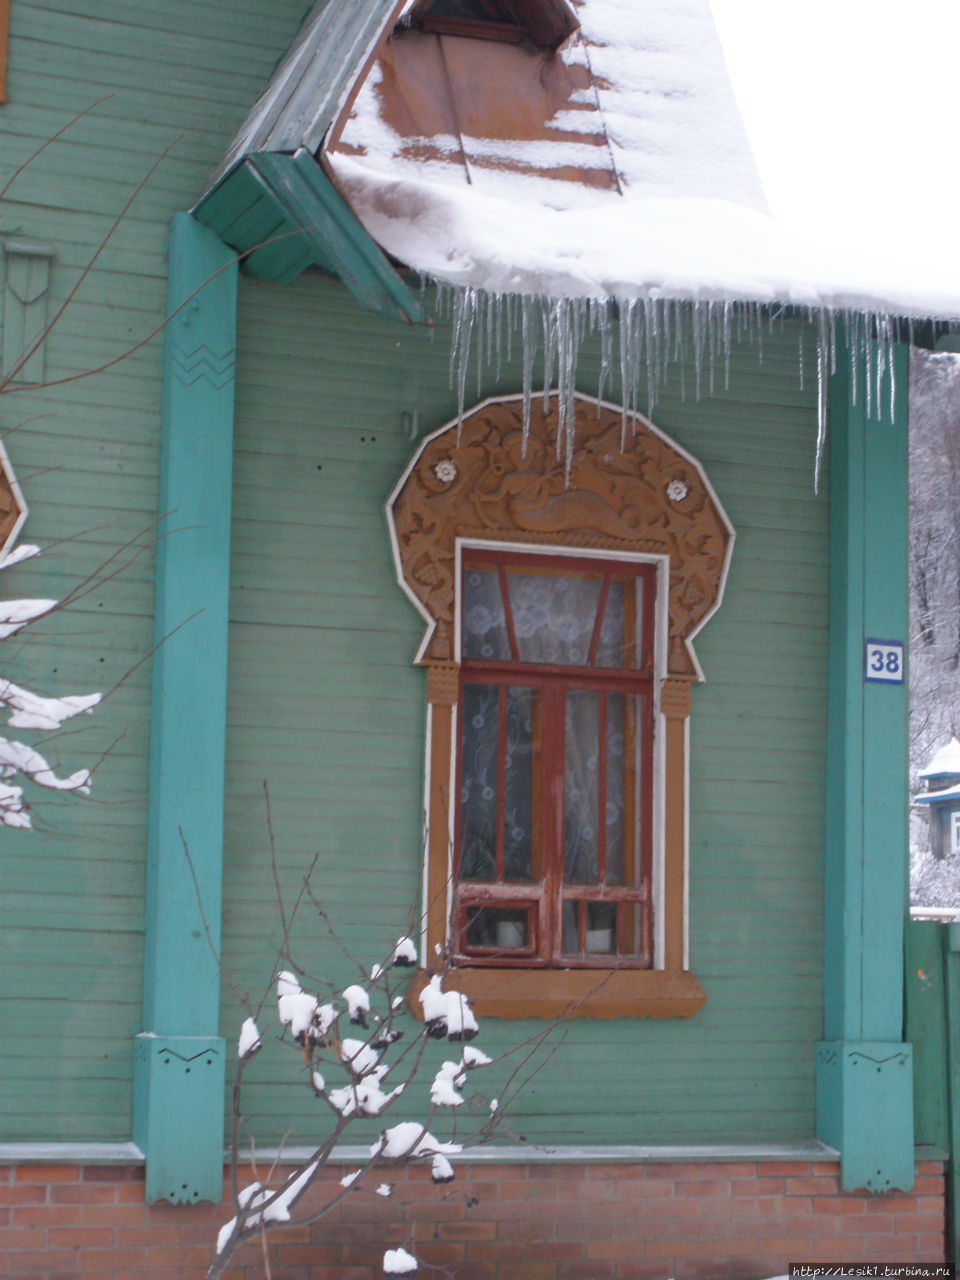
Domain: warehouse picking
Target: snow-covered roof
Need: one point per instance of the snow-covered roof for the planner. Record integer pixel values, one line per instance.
(640, 184)
(687, 217)
(944, 762)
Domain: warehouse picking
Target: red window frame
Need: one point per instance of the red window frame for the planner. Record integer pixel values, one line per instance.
(542, 898)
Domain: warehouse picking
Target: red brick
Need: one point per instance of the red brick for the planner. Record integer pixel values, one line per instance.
(671, 1249)
(47, 1215)
(884, 1246)
(24, 1238)
(847, 1204)
(813, 1186)
(757, 1187)
(104, 1215)
(928, 1186)
(727, 1248)
(914, 1222)
(732, 1169)
(931, 1246)
(467, 1230)
(47, 1173)
(147, 1237)
(789, 1168)
(433, 1253)
(518, 1189)
(45, 1261)
(503, 1211)
(706, 1187)
(86, 1237)
(110, 1173)
(790, 1246)
(92, 1258)
(83, 1193)
(22, 1193)
(180, 1256)
(131, 1193)
(529, 1271)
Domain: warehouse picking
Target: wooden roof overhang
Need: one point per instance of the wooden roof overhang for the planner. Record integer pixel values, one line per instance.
(270, 200)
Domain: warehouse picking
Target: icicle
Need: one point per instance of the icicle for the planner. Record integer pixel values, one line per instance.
(529, 354)
(653, 335)
(823, 351)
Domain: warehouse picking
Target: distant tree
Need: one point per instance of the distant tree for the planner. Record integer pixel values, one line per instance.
(934, 553)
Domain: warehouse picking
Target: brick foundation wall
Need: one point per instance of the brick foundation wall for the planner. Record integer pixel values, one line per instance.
(690, 1220)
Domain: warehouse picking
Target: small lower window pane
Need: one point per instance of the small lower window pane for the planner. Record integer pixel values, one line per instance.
(571, 929)
(506, 928)
(601, 928)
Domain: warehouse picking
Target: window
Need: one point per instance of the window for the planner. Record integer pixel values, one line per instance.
(546, 23)
(555, 765)
(561, 597)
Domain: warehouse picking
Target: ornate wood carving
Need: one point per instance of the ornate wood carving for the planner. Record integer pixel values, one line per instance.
(443, 683)
(675, 698)
(481, 482)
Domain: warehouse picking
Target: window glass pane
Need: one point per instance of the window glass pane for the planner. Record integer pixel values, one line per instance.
(484, 626)
(521, 749)
(580, 791)
(601, 928)
(553, 616)
(616, 784)
(571, 935)
(610, 642)
(506, 928)
(478, 782)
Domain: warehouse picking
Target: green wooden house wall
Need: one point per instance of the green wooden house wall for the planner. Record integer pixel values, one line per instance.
(323, 702)
(320, 646)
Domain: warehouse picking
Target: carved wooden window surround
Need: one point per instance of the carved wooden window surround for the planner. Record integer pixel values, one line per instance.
(479, 485)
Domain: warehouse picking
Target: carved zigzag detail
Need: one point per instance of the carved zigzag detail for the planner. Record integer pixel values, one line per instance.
(201, 362)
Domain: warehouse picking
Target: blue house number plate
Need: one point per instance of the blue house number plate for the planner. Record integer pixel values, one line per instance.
(883, 660)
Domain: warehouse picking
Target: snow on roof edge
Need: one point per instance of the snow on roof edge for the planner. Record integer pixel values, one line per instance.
(666, 247)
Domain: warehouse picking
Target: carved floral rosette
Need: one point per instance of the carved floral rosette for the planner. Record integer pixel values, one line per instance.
(482, 482)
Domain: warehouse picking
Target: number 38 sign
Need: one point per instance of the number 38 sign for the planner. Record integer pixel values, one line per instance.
(883, 660)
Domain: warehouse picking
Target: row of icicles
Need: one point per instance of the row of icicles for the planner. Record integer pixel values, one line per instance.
(642, 337)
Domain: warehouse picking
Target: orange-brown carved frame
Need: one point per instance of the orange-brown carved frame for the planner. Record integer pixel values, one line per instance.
(487, 482)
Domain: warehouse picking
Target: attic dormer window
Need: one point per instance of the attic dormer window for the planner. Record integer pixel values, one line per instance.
(545, 23)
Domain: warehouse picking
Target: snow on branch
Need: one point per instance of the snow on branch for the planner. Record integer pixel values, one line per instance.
(29, 710)
(362, 1078)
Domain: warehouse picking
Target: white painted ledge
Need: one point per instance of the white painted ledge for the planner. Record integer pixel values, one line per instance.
(529, 1153)
(128, 1153)
(70, 1153)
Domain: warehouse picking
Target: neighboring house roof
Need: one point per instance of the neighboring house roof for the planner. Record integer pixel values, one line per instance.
(935, 797)
(944, 762)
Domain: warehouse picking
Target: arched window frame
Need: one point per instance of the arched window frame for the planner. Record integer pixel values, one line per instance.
(483, 482)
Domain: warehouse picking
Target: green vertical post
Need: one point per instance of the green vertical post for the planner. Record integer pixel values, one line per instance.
(864, 1068)
(179, 1057)
(925, 1022)
(951, 980)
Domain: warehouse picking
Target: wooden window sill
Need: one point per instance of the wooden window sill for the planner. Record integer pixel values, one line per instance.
(572, 993)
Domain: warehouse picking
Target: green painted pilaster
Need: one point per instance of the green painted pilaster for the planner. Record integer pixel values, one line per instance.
(864, 1069)
(179, 1062)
